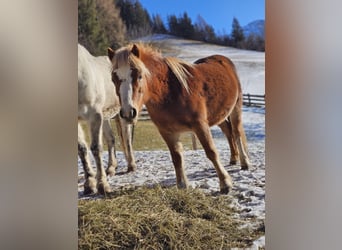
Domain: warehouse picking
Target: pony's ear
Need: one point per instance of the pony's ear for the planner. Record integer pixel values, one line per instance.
(111, 53)
(135, 50)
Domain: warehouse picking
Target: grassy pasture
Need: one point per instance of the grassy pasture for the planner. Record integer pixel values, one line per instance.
(162, 218)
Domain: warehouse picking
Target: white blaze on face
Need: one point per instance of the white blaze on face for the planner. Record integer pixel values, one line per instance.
(126, 90)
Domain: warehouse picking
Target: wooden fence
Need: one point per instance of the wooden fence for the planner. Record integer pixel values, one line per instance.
(254, 100)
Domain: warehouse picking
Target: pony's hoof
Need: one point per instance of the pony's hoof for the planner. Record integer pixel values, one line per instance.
(110, 171)
(103, 188)
(226, 185)
(232, 162)
(89, 191)
(131, 168)
(90, 186)
(225, 190)
(182, 185)
(245, 167)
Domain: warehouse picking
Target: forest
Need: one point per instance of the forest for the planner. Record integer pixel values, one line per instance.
(113, 23)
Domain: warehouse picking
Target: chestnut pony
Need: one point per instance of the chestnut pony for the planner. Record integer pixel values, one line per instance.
(183, 97)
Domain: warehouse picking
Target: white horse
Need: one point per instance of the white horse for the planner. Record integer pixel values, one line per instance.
(97, 104)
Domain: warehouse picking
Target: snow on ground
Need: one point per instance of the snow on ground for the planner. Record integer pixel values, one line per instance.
(155, 167)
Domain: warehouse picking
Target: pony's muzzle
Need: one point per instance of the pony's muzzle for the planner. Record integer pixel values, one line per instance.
(128, 115)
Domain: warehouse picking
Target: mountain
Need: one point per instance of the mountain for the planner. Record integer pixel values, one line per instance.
(256, 27)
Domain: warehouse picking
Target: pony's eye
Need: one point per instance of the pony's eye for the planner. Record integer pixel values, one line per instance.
(139, 77)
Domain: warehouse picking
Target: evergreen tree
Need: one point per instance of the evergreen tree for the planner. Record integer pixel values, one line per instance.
(203, 31)
(186, 27)
(181, 26)
(89, 30)
(158, 24)
(111, 24)
(99, 26)
(173, 25)
(237, 35)
(136, 18)
(254, 42)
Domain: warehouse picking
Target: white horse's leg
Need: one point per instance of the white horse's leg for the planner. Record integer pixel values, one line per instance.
(203, 134)
(89, 174)
(125, 133)
(110, 139)
(96, 148)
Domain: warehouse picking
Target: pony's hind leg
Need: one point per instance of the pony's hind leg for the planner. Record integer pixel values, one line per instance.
(96, 148)
(110, 139)
(176, 151)
(89, 174)
(226, 128)
(240, 137)
(125, 134)
(204, 136)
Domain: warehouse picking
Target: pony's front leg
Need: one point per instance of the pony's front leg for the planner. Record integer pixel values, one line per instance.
(176, 150)
(110, 139)
(96, 148)
(89, 174)
(126, 136)
(203, 133)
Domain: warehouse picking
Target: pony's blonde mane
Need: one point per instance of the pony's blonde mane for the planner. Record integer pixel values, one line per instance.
(177, 67)
(124, 56)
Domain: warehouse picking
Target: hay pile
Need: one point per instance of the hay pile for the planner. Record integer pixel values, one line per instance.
(157, 218)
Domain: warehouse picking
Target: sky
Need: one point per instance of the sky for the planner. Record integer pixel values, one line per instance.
(217, 13)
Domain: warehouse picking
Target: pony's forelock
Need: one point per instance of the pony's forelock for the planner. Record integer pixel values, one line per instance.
(123, 57)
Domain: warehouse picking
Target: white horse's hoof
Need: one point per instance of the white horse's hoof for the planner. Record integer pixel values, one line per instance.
(110, 171)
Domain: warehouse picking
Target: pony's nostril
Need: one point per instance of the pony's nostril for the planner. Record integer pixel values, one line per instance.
(133, 113)
(121, 114)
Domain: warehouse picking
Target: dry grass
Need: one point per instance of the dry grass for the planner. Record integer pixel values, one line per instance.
(146, 137)
(160, 218)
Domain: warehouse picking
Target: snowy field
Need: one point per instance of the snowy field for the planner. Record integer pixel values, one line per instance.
(155, 167)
